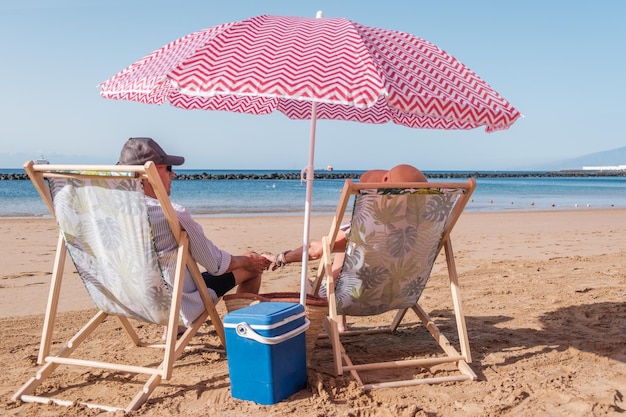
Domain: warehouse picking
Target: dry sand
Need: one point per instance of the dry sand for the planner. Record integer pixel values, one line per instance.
(544, 294)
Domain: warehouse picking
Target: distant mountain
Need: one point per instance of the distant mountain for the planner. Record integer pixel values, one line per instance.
(610, 157)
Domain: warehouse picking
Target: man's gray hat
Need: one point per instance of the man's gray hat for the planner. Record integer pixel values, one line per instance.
(138, 151)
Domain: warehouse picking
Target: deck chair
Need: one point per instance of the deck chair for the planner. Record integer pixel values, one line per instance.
(103, 221)
(396, 232)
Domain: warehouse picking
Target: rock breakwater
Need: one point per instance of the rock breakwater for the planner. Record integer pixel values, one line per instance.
(338, 175)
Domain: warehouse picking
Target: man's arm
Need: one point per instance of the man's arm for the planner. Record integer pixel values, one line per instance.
(215, 260)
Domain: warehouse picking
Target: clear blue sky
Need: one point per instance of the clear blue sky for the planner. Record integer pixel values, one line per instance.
(562, 64)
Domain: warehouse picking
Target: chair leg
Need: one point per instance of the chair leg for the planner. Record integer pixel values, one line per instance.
(444, 343)
(458, 305)
(143, 395)
(53, 300)
(50, 366)
(333, 335)
(130, 331)
(30, 385)
(216, 320)
(397, 319)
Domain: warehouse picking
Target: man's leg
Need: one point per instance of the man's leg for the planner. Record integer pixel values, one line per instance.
(247, 281)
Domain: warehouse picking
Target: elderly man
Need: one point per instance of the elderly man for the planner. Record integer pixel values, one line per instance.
(223, 270)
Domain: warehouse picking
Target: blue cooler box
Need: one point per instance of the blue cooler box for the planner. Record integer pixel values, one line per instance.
(265, 345)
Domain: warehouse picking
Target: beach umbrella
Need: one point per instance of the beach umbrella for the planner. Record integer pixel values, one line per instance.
(314, 68)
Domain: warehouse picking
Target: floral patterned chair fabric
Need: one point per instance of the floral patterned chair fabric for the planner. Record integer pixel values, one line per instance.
(391, 248)
(396, 233)
(108, 236)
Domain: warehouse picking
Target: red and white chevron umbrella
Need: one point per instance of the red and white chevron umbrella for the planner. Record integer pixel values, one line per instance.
(315, 68)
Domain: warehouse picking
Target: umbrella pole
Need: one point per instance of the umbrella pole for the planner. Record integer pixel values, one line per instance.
(308, 199)
(307, 206)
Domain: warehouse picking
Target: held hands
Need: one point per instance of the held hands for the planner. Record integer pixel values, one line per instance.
(276, 261)
(272, 260)
(256, 262)
(295, 255)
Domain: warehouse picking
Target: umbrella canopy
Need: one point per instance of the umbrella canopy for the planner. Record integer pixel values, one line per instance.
(314, 68)
(354, 72)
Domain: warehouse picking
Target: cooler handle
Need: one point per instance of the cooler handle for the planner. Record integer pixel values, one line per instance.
(246, 331)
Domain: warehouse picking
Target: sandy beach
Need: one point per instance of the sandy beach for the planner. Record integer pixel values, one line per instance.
(544, 294)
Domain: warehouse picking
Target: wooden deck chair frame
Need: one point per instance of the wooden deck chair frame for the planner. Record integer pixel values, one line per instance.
(342, 361)
(173, 346)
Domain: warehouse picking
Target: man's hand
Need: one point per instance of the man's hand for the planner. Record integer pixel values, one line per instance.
(256, 262)
(272, 259)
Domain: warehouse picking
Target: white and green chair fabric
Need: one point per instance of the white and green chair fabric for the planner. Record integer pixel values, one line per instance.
(104, 226)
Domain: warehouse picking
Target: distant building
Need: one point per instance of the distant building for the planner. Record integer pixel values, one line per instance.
(606, 168)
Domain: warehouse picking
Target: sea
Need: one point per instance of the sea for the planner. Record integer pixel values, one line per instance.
(498, 191)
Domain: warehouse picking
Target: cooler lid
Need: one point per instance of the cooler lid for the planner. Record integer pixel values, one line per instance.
(266, 315)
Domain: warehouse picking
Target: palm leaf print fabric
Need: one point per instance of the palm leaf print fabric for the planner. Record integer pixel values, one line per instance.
(108, 236)
(391, 249)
